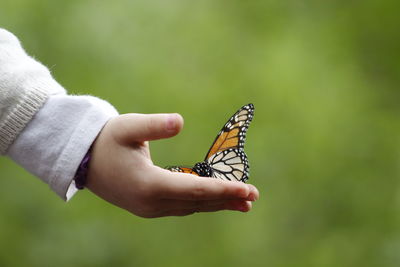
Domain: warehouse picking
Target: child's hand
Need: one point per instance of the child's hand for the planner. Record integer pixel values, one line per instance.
(121, 172)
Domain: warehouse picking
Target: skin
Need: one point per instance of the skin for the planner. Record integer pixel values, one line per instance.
(121, 172)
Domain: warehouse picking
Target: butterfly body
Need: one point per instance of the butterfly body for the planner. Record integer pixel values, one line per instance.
(226, 158)
(203, 169)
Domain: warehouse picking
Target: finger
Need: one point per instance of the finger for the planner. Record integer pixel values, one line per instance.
(254, 194)
(243, 206)
(147, 127)
(190, 187)
(239, 205)
(173, 204)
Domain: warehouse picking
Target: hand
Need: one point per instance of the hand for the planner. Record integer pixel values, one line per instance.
(121, 172)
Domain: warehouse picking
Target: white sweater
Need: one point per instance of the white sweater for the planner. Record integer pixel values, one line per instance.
(41, 128)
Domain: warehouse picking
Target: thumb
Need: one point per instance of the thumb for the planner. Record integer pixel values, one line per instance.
(147, 127)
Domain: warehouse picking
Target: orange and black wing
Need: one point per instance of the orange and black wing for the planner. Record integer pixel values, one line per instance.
(233, 134)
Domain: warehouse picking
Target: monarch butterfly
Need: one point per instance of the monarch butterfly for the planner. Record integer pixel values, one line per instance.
(226, 159)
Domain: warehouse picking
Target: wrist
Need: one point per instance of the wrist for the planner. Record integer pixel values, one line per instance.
(80, 177)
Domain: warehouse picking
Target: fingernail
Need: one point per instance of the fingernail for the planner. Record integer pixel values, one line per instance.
(253, 195)
(171, 122)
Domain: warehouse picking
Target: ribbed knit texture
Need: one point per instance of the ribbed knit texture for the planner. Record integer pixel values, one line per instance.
(25, 85)
(20, 115)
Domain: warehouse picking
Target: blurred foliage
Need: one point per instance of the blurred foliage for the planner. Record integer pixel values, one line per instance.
(324, 146)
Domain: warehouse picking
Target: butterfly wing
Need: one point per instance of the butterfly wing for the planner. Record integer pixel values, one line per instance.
(226, 156)
(182, 169)
(230, 164)
(233, 134)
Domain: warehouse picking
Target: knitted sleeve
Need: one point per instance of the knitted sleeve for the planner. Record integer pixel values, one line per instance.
(25, 84)
(44, 130)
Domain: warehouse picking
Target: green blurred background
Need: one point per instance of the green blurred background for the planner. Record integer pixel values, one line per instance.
(324, 146)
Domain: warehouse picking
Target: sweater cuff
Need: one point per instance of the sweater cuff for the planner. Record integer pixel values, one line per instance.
(19, 117)
(54, 143)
